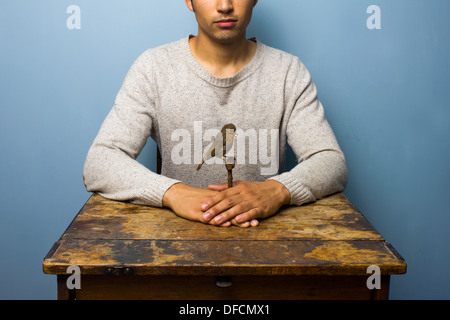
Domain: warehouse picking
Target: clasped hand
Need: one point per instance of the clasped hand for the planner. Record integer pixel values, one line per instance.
(241, 205)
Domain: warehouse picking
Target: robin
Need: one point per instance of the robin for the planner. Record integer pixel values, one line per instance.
(221, 144)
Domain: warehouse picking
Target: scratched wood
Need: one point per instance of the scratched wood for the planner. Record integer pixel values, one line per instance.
(156, 257)
(328, 237)
(333, 218)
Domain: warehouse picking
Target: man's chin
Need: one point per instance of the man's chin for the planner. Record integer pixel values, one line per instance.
(228, 38)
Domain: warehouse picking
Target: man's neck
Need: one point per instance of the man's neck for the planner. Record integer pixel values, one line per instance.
(222, 59)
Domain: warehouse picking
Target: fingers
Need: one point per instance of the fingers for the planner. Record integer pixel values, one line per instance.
(228, 213)
(236, 205)
(233, 221)
(254, 223)
(223, 186)
(225, 210)
(218, 187)
(216, 204)
(242, 215)
(225, 224)
(220, 196)
(246, 224)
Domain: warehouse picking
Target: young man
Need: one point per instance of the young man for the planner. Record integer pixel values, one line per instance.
(184, 92)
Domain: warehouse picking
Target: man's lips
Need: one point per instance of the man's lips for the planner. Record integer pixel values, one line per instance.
(226, 23)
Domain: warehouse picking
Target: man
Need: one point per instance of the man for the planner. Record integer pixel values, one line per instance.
(202, 83)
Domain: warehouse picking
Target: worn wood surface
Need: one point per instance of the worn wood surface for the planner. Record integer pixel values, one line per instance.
(328, 237)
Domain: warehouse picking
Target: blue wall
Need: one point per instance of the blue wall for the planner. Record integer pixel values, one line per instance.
(385, 92)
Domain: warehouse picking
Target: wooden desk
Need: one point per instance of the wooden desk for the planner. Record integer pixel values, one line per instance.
(317, 251)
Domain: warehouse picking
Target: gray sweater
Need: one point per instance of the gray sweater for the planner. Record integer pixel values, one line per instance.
(168, 96)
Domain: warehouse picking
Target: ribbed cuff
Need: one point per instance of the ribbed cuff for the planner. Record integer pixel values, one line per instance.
(300, 194)
(154, 197)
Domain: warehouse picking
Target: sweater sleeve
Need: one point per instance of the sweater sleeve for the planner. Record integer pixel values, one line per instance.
(111, 168)
(321, 168)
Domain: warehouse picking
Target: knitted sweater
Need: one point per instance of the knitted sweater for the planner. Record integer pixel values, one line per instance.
(168, 96)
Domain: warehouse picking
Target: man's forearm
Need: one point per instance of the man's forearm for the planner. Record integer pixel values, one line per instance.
(115, 175)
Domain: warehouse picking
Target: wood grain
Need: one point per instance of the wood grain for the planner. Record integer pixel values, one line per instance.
(332, 218)
(328, 237)
(242, 288)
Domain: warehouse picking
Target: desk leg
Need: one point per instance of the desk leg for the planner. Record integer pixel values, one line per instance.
(64, 293)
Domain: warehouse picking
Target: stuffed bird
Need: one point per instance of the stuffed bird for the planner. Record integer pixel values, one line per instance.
(221, 144)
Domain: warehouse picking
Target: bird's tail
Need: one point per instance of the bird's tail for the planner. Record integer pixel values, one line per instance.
(200, 165)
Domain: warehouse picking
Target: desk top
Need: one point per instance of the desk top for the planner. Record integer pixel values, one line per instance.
(327, 237)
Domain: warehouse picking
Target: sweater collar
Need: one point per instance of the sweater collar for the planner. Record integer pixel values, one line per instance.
(200, 71)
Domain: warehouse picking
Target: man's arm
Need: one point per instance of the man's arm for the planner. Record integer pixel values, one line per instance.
(111, 168)
(321, 169)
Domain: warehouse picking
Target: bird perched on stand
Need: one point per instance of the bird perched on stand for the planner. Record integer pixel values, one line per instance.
(221, 144)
